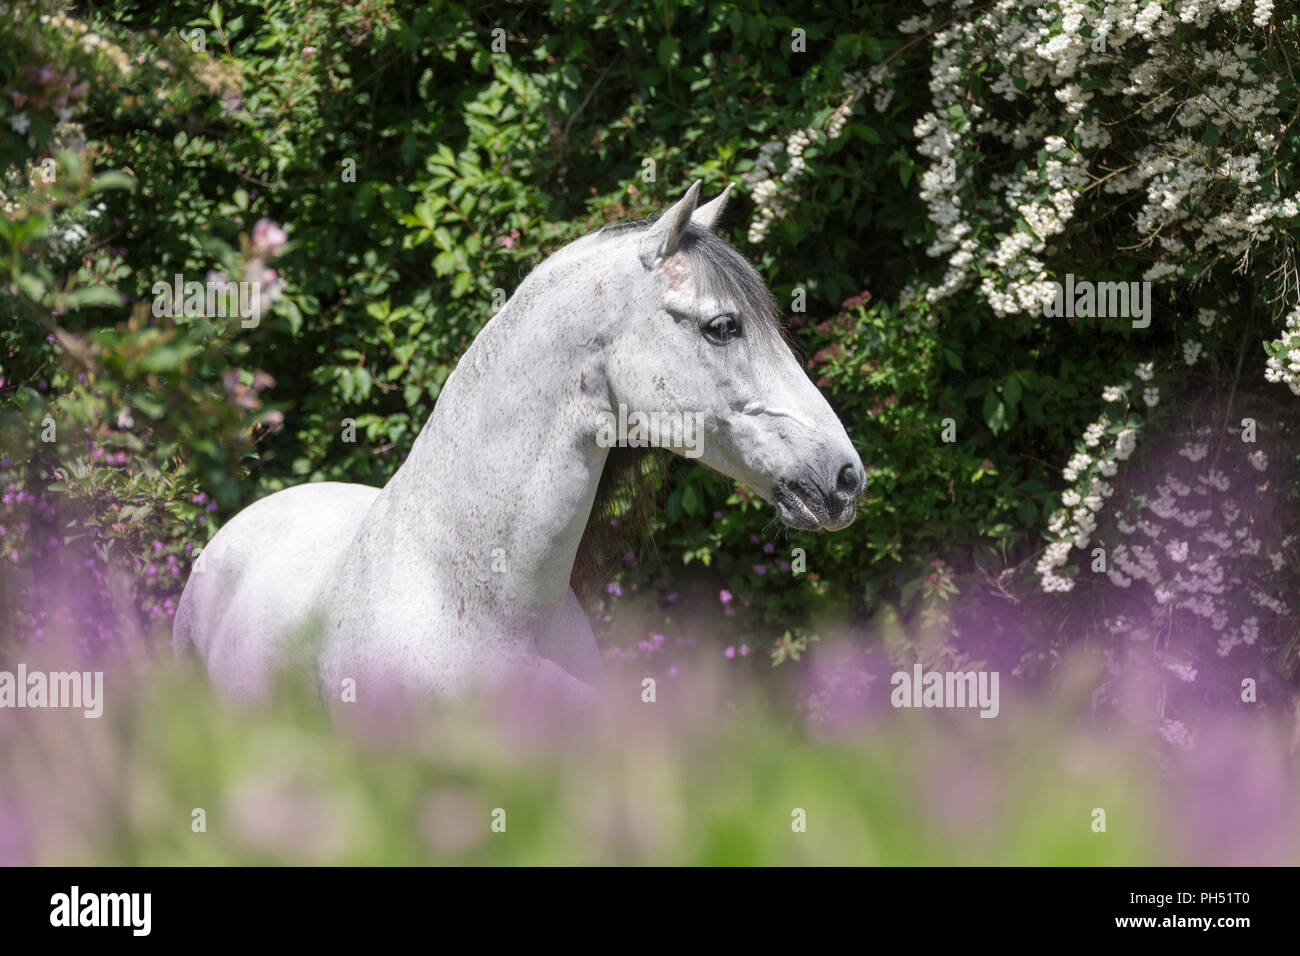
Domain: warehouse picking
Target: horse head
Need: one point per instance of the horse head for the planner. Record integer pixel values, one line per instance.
(699, 347)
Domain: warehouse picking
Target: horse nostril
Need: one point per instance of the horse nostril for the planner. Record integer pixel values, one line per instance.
(849, 481)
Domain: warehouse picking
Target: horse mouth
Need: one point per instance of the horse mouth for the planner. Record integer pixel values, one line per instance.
(803, 513)
(804, 510)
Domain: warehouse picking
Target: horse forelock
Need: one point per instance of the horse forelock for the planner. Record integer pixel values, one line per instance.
(720, 271)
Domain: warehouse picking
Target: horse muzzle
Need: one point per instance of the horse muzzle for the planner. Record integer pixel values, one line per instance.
(809, 505)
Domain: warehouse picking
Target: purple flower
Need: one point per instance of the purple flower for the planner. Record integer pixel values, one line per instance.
(613, 588)
(729, 653)
(724, 596)
(760, 569)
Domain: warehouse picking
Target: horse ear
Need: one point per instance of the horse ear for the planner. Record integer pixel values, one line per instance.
(710, 212)
(661, 242)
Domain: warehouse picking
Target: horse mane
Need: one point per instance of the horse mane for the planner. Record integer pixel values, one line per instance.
(721, 270)
(627, 498)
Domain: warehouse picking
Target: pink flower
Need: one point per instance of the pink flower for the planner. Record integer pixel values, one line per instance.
(729, 653)
(268, 236)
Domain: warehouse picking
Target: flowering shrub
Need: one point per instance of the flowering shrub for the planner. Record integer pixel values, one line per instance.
(1143, 143)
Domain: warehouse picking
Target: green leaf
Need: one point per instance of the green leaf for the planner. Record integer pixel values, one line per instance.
(1011, 390)
(165, 358)
(995, 413)
(93, 295)
(113, 179)
(1034, 410)
(1027, 512)
(670, 54)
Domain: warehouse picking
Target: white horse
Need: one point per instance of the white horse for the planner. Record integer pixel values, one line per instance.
(457, 572)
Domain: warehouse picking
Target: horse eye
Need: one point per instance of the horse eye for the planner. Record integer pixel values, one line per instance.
(721, 329)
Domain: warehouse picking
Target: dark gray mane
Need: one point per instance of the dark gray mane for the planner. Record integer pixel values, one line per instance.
(722, 272)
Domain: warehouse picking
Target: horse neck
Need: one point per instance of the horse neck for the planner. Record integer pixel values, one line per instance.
(499, 485)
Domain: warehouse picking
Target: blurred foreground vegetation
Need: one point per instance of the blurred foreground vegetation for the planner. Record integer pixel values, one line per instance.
(708, 773)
